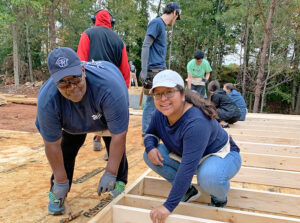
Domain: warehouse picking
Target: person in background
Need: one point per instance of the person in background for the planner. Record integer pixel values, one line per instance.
(227, 110)
(133, 80)
(193, 142)
(198, 73)
(75, 100)
(237, 98)
(154, 53)
(101, 43)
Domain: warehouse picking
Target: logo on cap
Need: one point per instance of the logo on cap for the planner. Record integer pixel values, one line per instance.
(62, 62)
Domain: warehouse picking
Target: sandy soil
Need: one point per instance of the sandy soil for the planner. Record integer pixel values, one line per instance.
(26, 171)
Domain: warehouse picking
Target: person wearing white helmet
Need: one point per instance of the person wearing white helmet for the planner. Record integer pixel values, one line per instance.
(193, 142)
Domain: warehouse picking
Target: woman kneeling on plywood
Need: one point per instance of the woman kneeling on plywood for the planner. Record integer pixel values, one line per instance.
(193, 143)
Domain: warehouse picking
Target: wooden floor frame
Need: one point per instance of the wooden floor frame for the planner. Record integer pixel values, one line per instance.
(244, 205)
(270, 156)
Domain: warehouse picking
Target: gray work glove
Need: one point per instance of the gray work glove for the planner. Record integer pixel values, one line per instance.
(143, 76)
(60, 191)
(204, 80)
(106, 183)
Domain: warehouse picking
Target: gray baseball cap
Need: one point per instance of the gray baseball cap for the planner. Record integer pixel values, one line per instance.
(63, 62)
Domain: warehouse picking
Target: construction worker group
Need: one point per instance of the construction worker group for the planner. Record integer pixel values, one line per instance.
(183, 131)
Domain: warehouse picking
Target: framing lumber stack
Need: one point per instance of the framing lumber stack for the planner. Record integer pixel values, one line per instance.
(266, 189)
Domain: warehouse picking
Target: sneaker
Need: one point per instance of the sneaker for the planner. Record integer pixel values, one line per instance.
(55, 207)
(191, 195)
(119, 188)
(97, 144)
(218, 204)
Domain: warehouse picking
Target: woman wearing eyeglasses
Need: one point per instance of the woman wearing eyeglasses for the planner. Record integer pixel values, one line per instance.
(192, 143)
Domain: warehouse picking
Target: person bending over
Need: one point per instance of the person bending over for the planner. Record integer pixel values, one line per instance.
(79, 98)
(237, 98)
(193, 142)
(227, 110)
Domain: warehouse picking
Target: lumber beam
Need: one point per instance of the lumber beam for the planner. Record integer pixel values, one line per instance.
(125, 214)
(207, 212)
(266, 139)
(270, 161)
(271, 149)
(279, 178)
(254, 200)
(269, 133)
(272, 116)
(255, 126)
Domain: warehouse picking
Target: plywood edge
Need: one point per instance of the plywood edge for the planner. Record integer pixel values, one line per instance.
(204, 211)
(125, 214)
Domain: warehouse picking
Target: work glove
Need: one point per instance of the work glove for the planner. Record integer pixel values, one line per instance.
(143, 76)
(204, 80)
(60, 191)
(107, 183)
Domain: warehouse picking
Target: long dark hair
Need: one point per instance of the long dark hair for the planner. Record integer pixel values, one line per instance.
(195, 99)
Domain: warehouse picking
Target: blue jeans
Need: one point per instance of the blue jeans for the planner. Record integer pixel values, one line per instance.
(213, 174)
(200, 89)
(149, 108)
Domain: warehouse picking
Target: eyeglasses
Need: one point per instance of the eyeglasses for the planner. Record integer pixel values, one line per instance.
(167, 94)
(66, 83)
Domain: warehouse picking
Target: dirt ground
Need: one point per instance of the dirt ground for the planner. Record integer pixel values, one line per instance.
(26, 171)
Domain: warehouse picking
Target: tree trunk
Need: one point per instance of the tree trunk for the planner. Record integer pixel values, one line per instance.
(245, 59)
(15, 53)
(297, 109)
(29, 53)
(52, 34)
(170, 48)
(266, 81)
(296, 63)
(260, 75)
(158, 8)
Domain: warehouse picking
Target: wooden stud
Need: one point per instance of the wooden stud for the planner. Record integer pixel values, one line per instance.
(270, 161)
(205, 211)
(271, 149)
(255, 200)
(125, 214)
(280, 178)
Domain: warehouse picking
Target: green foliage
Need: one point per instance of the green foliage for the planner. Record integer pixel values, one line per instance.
(213, 26)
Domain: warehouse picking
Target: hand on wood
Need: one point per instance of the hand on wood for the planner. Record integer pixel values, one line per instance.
(159, 214)
(155, 157)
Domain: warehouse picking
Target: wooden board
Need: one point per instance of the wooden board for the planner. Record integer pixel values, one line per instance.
(271, 149)
(254, 200)
(289, 134)
(125, 214)
(280, 178)
(205, 211)
(266, 139)
(270, 161)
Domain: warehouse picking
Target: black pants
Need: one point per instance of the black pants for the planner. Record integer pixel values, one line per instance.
(70, 146)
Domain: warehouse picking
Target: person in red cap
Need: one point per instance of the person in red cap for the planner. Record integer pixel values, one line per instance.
(101, 43)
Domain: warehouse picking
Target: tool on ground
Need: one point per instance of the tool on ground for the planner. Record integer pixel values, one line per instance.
(141, 98)
(71, 216)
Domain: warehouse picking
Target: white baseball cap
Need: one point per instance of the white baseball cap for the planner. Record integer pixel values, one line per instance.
(167, 78)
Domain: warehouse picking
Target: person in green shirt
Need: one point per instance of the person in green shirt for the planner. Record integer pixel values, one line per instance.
(198, 70)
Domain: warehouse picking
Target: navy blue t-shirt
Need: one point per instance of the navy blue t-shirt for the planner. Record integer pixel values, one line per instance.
(104, 105)
(158, 50)
(192, 137)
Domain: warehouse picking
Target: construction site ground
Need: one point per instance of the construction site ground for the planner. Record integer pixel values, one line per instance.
(25, 172)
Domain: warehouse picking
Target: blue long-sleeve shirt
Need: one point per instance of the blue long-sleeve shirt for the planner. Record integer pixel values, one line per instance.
(192, 137)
